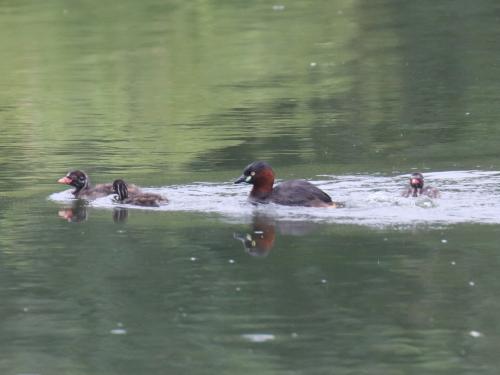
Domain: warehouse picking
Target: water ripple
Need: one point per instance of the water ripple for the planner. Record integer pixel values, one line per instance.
(466, 196)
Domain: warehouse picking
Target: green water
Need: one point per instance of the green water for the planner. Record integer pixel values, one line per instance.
(171, 92)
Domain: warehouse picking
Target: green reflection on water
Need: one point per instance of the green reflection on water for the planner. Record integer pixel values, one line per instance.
(171, 86)
(165, 92)
(185, 294)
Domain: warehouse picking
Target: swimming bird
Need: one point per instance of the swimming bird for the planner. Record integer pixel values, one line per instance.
(288, 193)
(84, 189)
(137, 198)
(417, 188)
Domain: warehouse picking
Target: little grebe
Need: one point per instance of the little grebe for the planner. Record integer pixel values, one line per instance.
(289, 193)
(137, 198)
(84, 189)
(417, 188)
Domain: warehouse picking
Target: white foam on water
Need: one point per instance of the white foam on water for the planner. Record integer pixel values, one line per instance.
(372, 200)
(259, 337)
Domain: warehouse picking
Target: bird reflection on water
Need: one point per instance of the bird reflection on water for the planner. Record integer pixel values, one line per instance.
(78, 212)
(260, 239)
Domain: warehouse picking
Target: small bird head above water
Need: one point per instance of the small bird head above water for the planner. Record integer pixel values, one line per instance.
(417, 180)
(120, 188)
(257, 173)
(77, 179)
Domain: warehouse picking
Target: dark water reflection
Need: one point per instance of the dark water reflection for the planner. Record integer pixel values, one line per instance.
(173, 292)
(78, 212)
(164, 93)
(261, 235)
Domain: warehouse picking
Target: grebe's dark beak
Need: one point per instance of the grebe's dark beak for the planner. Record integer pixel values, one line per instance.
(241, 179)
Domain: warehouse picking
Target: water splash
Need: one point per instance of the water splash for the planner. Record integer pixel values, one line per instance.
(466, 196)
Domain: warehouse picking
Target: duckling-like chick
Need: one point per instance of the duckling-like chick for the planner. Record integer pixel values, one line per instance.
(137, 198)
(288, 193)
(417, 188)
(84, 189)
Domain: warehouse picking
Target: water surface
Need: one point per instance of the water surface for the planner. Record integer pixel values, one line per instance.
(179, 97)
(464, 197)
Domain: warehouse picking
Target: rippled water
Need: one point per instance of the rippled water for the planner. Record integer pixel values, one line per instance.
(466, 197)
(178, 96)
